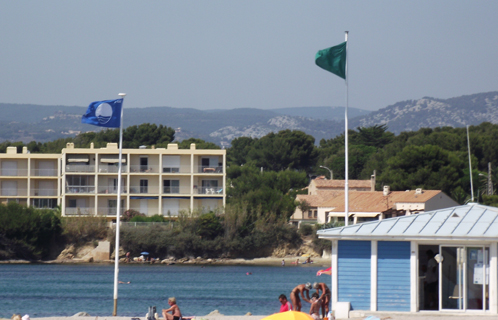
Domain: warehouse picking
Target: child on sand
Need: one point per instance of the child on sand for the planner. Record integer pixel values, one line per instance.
(175, 310)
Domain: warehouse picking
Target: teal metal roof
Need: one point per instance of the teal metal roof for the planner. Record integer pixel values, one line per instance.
(466, 222)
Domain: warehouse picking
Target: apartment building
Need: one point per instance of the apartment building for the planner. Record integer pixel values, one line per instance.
(84, 181)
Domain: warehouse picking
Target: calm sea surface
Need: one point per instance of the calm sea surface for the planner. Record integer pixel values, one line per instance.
(63, 290)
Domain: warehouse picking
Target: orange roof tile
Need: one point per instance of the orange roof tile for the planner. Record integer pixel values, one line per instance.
(340, 183)
(368, 201)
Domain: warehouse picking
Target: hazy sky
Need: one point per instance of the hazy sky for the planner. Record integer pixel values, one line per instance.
(244, 54)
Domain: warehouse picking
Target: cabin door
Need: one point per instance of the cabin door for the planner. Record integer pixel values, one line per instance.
(464, 278)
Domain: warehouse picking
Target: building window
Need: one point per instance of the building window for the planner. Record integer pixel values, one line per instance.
(171, 186)
(210, 187)
(144, 164)
(46, 203)
(310, 214)
(144, 186)
(315, 214)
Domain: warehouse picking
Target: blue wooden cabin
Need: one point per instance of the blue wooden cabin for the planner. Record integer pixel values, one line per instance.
(438, 261)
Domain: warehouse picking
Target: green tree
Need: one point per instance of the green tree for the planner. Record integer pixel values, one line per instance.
(199, 144)
(284, 150)
(428, 167)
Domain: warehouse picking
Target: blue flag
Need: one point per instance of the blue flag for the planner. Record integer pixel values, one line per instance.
(105, 113)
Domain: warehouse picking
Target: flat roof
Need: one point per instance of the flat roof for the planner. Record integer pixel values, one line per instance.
(467, 222)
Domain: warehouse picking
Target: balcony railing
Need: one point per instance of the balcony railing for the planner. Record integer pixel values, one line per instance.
(80, 168)
(144, 189)
(136, 168)
(43, 192)
(109, 211)
(13, 172)
(80, 189)
(80, 211)
(14, 192)
(177, 190)
(44, 172)
(176, 169)
(111, 190)
(112, 169)
(207, 169)
(209, 190)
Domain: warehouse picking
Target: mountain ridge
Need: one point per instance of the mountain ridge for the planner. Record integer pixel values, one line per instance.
(41, 123)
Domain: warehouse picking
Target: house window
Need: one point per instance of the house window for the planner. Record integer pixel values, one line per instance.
(310, 214)
(315, 214)
(72, 203)
(171, 186)
(144, 186)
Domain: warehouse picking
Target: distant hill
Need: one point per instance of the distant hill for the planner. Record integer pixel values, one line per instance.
(25, 122)
(427, 112)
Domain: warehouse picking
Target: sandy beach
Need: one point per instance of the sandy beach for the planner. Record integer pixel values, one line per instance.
(393, 316)
(267, 261)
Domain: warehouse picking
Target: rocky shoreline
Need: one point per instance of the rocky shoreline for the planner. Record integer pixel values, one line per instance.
(267, 261)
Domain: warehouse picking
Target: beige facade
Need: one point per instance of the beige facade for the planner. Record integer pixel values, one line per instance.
(84, 181)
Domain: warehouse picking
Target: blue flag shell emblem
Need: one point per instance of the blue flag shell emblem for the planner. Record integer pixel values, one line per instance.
(103, 113)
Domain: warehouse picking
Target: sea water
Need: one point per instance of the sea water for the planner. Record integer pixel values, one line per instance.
(43, 290)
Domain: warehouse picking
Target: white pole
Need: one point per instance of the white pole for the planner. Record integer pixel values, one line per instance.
(346, 184)
(470, 168)
(118, 213)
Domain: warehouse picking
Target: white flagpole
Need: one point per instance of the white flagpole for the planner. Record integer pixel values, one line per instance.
(470, 167)
(118, 213)
(346, 184)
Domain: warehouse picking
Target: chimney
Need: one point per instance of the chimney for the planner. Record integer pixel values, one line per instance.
(418, 191)
(372, 182)
(386, 190)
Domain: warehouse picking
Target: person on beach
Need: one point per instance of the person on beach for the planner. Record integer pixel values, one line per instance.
(324, 298)
(175, 310)
(315, 306)
(300, 290)
(286, 305)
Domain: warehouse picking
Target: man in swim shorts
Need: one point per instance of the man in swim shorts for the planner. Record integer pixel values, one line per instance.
(300, 289)
(325, 297)
(175, 310)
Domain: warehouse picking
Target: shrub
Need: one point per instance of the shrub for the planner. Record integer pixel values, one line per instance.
(306, 229)
(27, 232)
(80, 230)
(130, 214)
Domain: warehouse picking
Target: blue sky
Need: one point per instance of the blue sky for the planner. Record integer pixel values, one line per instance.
(244, 54)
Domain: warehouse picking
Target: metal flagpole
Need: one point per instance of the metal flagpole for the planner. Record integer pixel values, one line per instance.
(346, 184)
(118, 213)
(470, 167)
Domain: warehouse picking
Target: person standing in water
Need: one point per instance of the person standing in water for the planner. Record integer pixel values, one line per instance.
(300, 290)
(324, 298)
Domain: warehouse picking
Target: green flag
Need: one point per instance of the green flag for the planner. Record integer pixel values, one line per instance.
(333, 59)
